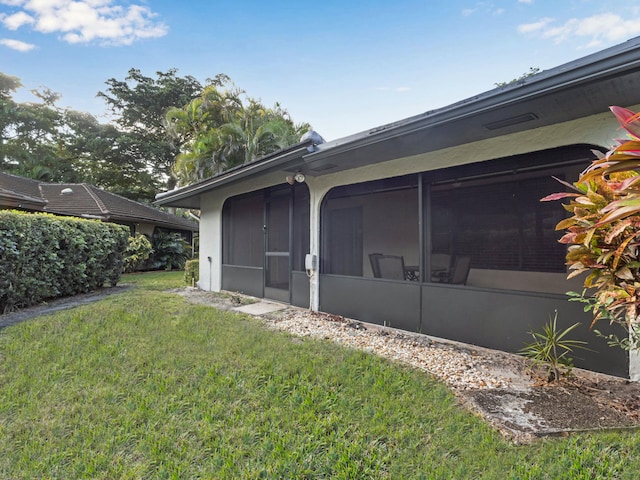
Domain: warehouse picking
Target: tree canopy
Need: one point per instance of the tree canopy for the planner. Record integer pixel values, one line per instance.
(139, 104)
(224, 128)
(164, 131)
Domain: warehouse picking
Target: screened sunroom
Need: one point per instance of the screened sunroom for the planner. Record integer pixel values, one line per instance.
(432, 223)
(468, 253)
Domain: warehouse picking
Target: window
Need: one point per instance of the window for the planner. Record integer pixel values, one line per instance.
(373, 217)
(501, 225)
(244, 226)
(243, 221)
(483, 224)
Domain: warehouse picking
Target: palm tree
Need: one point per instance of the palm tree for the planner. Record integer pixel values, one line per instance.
(219, 132)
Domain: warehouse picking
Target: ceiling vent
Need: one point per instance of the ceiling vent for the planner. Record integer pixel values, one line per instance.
(507, 122)
(323, 168)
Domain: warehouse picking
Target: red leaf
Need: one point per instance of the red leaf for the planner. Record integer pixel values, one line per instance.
(559, 196)
(628, 183)
(629, 120)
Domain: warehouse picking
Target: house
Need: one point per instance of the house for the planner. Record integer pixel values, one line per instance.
(432, 223)
(86, 201)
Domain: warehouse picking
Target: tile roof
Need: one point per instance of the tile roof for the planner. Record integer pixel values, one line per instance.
(20, 185)
(87, 201)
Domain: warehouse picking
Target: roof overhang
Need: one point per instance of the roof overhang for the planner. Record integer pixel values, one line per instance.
(578, 89)
(18, 200)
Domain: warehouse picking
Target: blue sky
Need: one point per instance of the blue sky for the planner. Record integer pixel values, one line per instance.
(343, 66)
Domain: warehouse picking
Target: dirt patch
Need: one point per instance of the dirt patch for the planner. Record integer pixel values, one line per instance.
(556, 410)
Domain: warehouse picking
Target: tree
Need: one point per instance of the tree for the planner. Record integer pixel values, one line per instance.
(532, 71)
(164, 128)
(8, 86)
(47, 143)
(603, 232)
(139, 104)
(29, 142)
(224, 128)
(102, 155)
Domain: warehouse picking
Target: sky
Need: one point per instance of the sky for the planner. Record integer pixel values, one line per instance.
(344, 66)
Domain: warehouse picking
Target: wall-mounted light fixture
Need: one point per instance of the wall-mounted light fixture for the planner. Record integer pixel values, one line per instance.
(292, 179)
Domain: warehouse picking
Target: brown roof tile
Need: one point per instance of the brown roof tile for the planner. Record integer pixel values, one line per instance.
(84, 200)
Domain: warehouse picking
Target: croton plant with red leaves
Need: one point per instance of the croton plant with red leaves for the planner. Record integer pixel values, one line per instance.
(603, 233)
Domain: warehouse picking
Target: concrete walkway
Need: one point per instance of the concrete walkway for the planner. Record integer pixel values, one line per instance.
(260, 308)
(59, 304)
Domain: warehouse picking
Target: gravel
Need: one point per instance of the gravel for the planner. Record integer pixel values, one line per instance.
(460, 367)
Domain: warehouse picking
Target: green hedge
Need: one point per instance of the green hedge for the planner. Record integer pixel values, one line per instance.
(43, 256)
(191, 271)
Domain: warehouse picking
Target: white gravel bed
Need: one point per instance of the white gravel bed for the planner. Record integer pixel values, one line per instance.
(460, 369)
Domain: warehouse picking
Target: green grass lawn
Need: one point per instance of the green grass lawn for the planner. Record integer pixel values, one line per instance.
(145, 385)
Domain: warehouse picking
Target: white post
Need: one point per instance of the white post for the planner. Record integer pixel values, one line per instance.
(316, 196)
(211, 246)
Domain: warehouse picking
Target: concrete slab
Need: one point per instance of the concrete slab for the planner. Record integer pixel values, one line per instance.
(260, 308)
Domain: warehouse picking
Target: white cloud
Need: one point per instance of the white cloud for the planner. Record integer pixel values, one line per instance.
(535, 26)
(596, 29)
(17, 45)
(529, 2)
(85, 21)
(17, 20)
(394, 89)
(483, 7)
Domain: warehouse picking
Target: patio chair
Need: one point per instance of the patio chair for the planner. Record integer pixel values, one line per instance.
(460, 271)
(440, 267)
(391, 267)
(373, 258)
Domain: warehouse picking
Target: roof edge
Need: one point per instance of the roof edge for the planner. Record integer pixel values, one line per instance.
(599, 64)
(271, 161)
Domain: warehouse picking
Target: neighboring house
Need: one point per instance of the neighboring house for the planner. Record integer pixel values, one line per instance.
(432, 223)
(86, 201)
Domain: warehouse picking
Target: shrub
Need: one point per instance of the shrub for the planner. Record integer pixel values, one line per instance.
(603, 232)
(551, 348)
(138, 251)
(170, 251)
(191, 272)
(43, 256)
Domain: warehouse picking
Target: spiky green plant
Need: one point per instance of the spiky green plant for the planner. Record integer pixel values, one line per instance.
(551, 349)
